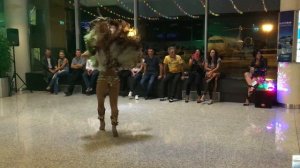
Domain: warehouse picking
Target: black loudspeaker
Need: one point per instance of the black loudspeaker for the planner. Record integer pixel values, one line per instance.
(35, 81)
(13, 36)
(264, 99)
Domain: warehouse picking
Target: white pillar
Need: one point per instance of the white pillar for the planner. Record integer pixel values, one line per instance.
(136, 13)
(77, 26)
(288, 81)
(288, 5)
(205, 28)
(16, 16)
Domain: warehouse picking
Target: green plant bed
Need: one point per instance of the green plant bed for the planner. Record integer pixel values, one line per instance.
(5, 56)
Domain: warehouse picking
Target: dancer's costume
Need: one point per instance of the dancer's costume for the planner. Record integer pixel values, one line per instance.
(113, 49)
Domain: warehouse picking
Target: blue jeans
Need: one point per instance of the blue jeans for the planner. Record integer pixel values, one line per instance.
(55, 78)
(150, 78)
(90, 80)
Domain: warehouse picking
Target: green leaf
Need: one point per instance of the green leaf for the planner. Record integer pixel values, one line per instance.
(5, 56)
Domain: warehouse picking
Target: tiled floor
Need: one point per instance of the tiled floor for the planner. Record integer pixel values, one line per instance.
(42, 130)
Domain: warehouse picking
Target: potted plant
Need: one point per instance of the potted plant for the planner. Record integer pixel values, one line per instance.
(5, 65)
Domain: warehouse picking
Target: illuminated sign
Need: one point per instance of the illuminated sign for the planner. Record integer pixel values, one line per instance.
(282, 78)
(298, 40)
(286, 29)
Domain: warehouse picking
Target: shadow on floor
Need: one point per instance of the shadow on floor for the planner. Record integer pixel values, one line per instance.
(105, 139)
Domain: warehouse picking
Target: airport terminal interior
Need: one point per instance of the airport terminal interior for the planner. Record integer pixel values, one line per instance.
(150, 83)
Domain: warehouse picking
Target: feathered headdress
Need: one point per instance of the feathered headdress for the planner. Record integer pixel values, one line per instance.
(114, 43)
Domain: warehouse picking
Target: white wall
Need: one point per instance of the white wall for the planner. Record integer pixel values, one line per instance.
(16, 16)
(288, 5)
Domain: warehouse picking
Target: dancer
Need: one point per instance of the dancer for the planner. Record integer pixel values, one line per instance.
(115, 45)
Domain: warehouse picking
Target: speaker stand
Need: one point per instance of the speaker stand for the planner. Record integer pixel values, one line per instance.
(16, 75)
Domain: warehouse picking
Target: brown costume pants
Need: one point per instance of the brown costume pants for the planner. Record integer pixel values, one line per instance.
(108, 85)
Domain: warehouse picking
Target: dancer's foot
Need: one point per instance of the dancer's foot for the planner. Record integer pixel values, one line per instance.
(114, 131)
(102, 125)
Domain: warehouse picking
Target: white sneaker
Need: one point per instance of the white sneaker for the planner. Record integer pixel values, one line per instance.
(130, 94)
(136, 97)
(210, 102)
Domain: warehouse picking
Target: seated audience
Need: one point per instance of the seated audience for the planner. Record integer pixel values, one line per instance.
(136, 74)
(195, 75)
(212, 67)
(257, 72)
(152, 71)
(49, 65)
(61, 70)
(90, 75)
(173, 67)
(124, 75)
(77, 65)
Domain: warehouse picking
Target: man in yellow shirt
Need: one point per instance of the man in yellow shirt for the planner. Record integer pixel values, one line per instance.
(173, 67)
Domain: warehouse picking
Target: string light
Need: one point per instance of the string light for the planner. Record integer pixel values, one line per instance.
(114, 13)
(264, 4)
(131, 11)
(85, 11)
(211, 12)
(183, 11)
(155, 11)
(235, 8)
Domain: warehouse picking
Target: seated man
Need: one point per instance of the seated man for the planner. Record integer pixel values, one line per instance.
(49, 66)
(257, 72)
(173, 67)
(90, 75)
(152, 71)
(77, 65)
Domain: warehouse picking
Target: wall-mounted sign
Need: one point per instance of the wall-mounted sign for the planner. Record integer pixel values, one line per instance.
(298, 39)
(286, 28)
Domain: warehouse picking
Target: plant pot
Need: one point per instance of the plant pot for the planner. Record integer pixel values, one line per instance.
(4, 87)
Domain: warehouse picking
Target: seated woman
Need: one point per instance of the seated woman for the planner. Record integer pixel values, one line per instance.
(90, 75)
(61, 70)
(196, 75)
(136, 73)
(212, 66)
(257, 71)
